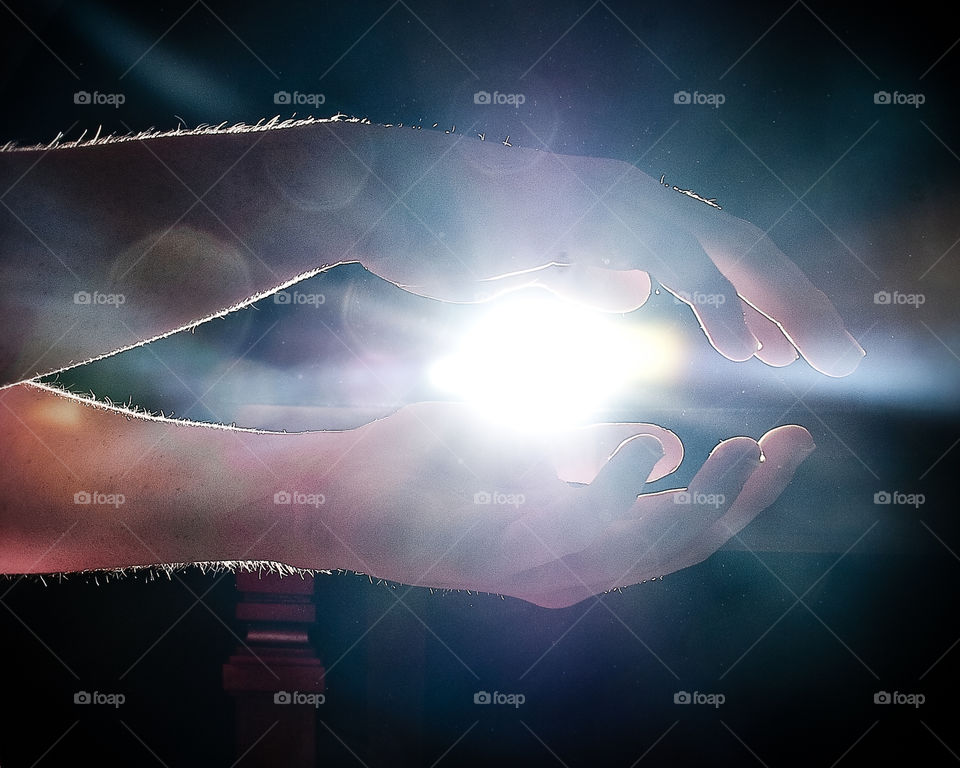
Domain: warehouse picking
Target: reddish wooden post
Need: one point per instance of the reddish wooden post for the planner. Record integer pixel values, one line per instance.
(274, 674)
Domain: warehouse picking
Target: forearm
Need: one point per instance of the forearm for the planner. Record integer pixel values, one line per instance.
(83, 487)
(157, 234)
(123, 220)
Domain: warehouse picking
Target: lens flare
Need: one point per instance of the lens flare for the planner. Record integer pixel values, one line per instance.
(543, 363)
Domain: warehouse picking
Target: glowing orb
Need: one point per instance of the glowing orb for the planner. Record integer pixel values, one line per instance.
(546, 363)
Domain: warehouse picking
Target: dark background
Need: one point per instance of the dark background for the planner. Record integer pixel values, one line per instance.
(877, 583)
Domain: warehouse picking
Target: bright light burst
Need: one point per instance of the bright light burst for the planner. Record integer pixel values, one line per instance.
(544, 363)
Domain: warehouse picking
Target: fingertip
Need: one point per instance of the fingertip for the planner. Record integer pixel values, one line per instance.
(854, 343)
(642, 452)
(629, 468)
(739, 449)
(790, 439)
(643, 448)
(735, 351)
(849, 360)
(775, 348)
(672, 456)
(779, 358)
(719, 312)
(728, 468)
(805, 443)
(600, 288)
(730, 336)
(835, 354)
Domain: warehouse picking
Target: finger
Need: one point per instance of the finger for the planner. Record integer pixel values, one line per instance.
(646, 230)
(784, 449)
(660, 526)
(773, 284)
(580, 457)
(631, 551)
(637, 227)
(551, 532)
(695, 280)
(776, 349)
(595, 569)
(609, 290)
(710, 494)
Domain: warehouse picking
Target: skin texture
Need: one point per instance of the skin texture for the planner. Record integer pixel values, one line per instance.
(398, 497)
(198, 224)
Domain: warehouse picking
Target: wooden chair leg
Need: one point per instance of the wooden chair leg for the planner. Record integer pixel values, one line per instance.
(275, 675)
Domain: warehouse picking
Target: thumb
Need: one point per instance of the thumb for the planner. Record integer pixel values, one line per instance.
(547, 534)
(623, 477)
(609, 290)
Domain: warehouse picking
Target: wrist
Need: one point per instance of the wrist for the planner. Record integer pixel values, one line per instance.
(88, 487)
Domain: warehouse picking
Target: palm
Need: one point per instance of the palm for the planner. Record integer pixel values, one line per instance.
(463, 504)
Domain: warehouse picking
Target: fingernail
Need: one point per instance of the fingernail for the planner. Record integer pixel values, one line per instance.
(809, 448)
(855, 344)
(646, 445)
